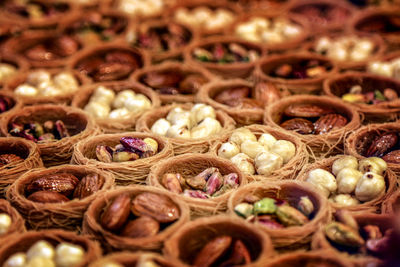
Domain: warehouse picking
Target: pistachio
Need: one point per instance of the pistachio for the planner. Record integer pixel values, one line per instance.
(196, 182)
(343, 235)
(171, 181)
(195, 194)
(265, 206)
(152, 146)
(290, 216)
(231, 179)
(60, 130)
(372, 231)
(123, 156)
(345, 217)
(214, 183)
(269, 222)
(104, 154)
(244, 209)
(305, 205)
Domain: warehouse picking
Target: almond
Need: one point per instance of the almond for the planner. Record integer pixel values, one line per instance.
(157, 206)
(116, 214)
(88, 185)
(47, 197)
(143, 226)
(299, 125)
(63, 183)
(213, 250)
(266, 93)
(307, 111)
(328, 123)
(231, 94)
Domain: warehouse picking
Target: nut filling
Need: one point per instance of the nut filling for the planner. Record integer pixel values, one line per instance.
(312, 119)
(144, 215)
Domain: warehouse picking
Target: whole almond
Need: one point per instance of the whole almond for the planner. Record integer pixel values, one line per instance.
(47, 197)
(328, 123)
(88, 185)
(212, 251)
(233, 93)
(392, 157)
(299, 125)
(266, 93)
(116, 214)
(157, 206)
(307, 110)
(63, 183)
(143, 226)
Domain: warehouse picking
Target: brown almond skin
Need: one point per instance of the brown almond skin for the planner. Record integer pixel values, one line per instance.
(191, 83)
(212, 251)
(116, 214)
(307, 111)
(161, 80)
(239, 256)
(231, 94)
(157, 206)
(328, 123)
(266, 93)
(299, 125)
(47, 197)
(143, 226)
(9, 159)
(108, 71)
(63, 183)
(392, 157)
(171, 182)
(382, 145)
(88, 185)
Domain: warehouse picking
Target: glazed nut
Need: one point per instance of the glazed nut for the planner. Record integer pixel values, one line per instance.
(344, 162)
(329, 123)
(47, 197)
(372, 164)
(242, 134)
(322, 179)
(267, 93)
(392, 157)
(12, 159)
(116, 214)
(298, 125)
(88, 185)
(5, 223)
(228, 150)
(369, 186)
(63, 183)
(159, 207)
(382, 145)
(307, 111)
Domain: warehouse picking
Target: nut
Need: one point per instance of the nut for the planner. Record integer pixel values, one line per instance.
(47, 197)
(227, 95)
(143, 226)
(88, 185)
(157, 206)
(195, 194)
(307, 111)
(322, 179)
(267, 93)
(392, 157)
(265, 206)
(213, 250)
(344, 162)
(5, 223)
(116, 214)
(162, 80)
(69, 255)
(104, 154)
(347, 180)
(171, 181)
(228, 150)
(305, 205)
(329, 123)
(6, 159)
(345, 217)
(214, 183)
(239, 256)
(63, 183)
(242, 134)
(299, 125)
(191, 83)
(382, 145)
(344, 235)
(370, 186)
(290, 216)
(244, 209)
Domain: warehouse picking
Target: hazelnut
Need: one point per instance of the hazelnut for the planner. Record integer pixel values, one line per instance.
(344, 162)
(369, 186)
(285, 149)
(241, 134)
(244, 163)
(228, 150)
(323, 180)
(347, 180)
(267, 162)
